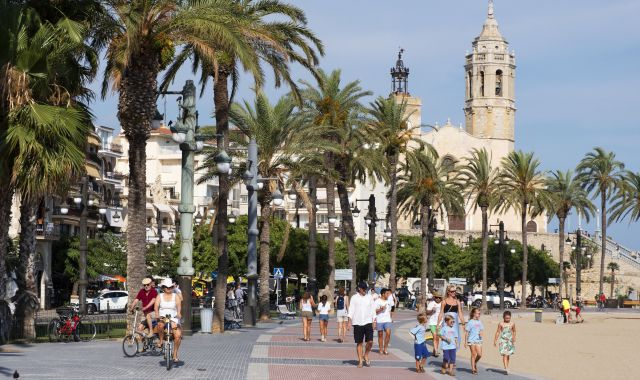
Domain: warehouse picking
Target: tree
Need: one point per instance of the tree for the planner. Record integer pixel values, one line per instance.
(600, 173)
(613, 267)
(626, 203)
(391, 121)
(522, 188)
(566, 194)
(335, 113)
(274, 127)
(271, 33)
(142, 38)
(427, 186)
(481, 182)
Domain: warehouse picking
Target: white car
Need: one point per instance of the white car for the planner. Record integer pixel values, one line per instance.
(493, 296)
(116, 299)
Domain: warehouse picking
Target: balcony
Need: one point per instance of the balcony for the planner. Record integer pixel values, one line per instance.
(114, 150)
(47, 231)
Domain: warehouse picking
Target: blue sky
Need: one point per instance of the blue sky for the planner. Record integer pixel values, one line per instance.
(577, 81)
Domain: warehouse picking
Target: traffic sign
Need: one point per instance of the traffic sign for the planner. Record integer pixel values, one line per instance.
(278, 272)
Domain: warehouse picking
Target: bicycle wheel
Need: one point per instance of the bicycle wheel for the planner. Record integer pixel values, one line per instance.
(168, 354)
(131, 344)
(85, 331)
(54, 330)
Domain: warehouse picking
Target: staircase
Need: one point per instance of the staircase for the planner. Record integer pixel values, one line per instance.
(617, 251)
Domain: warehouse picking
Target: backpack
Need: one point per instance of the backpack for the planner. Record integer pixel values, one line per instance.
(340, 303)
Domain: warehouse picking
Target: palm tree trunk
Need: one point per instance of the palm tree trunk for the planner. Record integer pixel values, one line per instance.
(347, 227)
(393, 219)
(6, 200)
(561, 223)
(136, 108)
(331, 243)
(485, 248)
(265, 250)
(613, 281)
(221, 101)
(525, 256)
(313, 242)
(27, 297)
(425, 220)
(603, 223)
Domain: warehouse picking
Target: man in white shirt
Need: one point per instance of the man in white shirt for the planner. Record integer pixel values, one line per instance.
(362, 316)
(433, 311)
(383, 319)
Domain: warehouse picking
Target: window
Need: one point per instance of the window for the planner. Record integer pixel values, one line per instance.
(499, 83)
(482, 83)
(532, 226)
(456, 222)
(469, 85)
(244, 198)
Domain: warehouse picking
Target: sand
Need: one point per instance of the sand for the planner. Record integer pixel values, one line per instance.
(605, 346)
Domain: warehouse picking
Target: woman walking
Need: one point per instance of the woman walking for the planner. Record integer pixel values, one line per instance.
(324, 308)
(306, 307)
(342, 309)
(451, 306)
(506, 332)
(473, 338)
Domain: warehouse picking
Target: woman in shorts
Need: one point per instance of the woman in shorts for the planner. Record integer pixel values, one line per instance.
(342, 309)
(306, 308)
(324, 308)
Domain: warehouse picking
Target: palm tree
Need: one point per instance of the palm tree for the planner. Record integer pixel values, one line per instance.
(522, 188)
(613, 267)
(426, 186)
(391, 120)
(600, 172)
(566, 194)
(626, 203)
(481, 182)
(565, 266)
(271, 32)
(42, 127)
(335, 113)
(142, 38)
(274, 128)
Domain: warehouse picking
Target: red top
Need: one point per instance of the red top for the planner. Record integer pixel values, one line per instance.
(603, 298)
(147, 299)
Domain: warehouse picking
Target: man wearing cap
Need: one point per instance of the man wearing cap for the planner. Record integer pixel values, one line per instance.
(362, 316)
(147, 295)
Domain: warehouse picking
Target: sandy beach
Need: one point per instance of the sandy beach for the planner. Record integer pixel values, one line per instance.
(603, 347)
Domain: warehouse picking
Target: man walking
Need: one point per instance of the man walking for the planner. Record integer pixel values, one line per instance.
(384, 321)
(362, 316)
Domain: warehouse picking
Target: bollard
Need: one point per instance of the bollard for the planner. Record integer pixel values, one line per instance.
(538, 316)
(108, 320)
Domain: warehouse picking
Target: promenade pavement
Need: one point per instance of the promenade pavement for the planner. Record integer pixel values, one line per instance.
(271, 351)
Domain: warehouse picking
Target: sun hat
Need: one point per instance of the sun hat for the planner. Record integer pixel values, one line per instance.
(362, 285)
(167, 283)
(146, 281)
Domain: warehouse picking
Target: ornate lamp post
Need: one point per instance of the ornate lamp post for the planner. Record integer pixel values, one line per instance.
(371, 219)
(579, 249)
(502, 241)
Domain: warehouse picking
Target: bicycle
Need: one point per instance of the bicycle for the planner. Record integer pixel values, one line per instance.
(167, 347)
(71, 325)
(136, 342)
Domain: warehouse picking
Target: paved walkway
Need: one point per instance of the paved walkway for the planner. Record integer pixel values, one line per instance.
(271, 351)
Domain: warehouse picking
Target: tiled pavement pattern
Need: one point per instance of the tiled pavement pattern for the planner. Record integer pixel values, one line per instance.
(271, 351)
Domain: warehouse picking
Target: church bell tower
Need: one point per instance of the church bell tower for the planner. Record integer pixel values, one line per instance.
(400, 91)
(490, 92)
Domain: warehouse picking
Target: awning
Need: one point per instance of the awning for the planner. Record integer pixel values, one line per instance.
(91, 171)
(166, 209)
(102, 277)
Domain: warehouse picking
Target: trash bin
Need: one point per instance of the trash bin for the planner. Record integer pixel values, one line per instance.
(490, 305)
(538, 314)
(206, 320)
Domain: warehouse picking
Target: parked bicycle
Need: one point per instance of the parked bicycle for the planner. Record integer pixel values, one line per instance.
(70, 325)
(136, 342)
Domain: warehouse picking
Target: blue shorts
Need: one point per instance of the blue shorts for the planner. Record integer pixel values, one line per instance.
(384, 326)
(324, 317)
(449, 356)
(421, 350)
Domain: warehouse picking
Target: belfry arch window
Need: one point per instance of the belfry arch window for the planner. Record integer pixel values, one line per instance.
(482, 83)
(499, 83)
(469, 85)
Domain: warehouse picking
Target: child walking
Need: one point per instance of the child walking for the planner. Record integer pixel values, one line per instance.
(449, 345)
(473, 338)
(506, 332)
(324, 308)
(420, 343)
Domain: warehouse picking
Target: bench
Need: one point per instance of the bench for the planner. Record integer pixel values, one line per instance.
(284, 313)
(629, 303)
(590, 303)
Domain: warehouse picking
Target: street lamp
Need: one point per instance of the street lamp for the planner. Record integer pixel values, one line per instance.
(116, 217)
(502, 241)
(277, 198)
(77, 199)
(198, 217)
(99, 225)
(102, 209)
(333, 219)
(356, 213)
(402, 244)
(64, 208)
(576, 245)
(223, 162)
(371, 218)
(232, 217)
(387, 232)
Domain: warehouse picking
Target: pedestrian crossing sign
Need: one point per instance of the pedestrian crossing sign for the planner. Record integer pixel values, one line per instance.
(278, 272)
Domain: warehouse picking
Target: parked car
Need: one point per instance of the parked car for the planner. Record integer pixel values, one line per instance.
(493, 296)
(117, 300)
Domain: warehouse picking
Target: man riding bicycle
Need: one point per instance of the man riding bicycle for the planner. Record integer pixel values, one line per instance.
(147, 296)
(169, 303)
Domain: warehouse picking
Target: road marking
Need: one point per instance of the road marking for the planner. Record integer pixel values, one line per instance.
(260, 352)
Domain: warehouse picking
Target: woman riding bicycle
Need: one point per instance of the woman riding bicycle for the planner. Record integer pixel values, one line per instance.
(169, 303)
